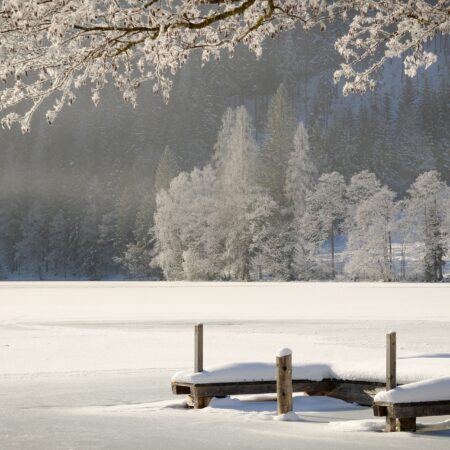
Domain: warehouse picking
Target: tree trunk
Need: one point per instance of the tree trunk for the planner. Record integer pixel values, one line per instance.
(333, 269)
(390, 252)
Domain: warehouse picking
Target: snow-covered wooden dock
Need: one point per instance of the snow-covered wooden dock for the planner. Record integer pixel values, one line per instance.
(405, 403)
(399, 404)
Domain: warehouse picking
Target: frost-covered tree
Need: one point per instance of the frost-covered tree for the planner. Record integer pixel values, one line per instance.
(278, 145)
(301, 173)
(425, 209)
(362, 186)
(369, 238)
(51, 48)
(325, 211)
(243, 210)
(216, 222)
(182, 228)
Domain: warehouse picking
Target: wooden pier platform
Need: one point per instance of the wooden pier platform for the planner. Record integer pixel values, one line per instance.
(360, 392)
(399, 416)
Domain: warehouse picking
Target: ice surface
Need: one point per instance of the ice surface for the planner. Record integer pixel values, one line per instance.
(181, 301)
(88, 365)
(435, 389)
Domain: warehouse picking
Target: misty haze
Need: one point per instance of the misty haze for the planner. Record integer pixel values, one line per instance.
(78, 198)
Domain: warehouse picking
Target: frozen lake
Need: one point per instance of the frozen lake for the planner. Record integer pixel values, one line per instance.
(88, 365)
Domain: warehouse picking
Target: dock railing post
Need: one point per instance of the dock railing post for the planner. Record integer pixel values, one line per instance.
(391, 373)
(284, 381)
(198, 348)
(194, 399)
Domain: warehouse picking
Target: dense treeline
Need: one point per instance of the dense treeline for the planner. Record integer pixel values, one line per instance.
(77, 199)
(264, 213)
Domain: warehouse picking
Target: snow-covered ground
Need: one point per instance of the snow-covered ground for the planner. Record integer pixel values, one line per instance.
(88, 365)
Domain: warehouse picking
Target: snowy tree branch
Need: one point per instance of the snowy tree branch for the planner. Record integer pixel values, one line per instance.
(48, 49)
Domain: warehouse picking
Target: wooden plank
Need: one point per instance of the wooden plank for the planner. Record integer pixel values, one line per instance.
(260, 387)
(355, 392)
(178, 388)
(391, 374)
(429, 403)
(415, 409)
(350, 391)
(284, 384)
(378, 410)
(198, 348)
(407, 424)
(421, 410)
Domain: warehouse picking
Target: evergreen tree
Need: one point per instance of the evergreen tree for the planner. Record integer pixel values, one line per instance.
(278, 145)
(413, 149)
(139, 254)
(12, 209)
(167, 170)
(32, 248)
(57, 245)
(87, 236)
(301, 173)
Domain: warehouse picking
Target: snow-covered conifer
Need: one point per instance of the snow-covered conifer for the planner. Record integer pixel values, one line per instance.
(278, 145)
(57, 244)
(32, 248)
(301, 172)
(166, 171)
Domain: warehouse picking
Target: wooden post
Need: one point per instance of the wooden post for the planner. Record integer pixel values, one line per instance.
(284, 381)
(198, 352)
(194, 399)
(391, 373)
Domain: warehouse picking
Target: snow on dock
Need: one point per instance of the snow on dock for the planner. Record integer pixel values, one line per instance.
(409, 370)
(435, 389)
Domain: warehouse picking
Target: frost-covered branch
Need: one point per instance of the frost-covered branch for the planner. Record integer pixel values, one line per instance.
(48, 49)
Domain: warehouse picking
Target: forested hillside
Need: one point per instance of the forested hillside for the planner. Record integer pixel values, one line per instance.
(77, 199)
